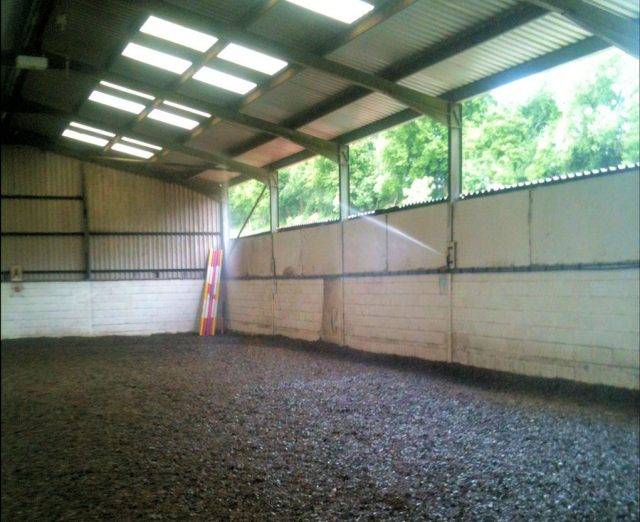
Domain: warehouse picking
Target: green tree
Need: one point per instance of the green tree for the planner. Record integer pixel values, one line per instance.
(308, 192)
(406, 164)
(242, 197)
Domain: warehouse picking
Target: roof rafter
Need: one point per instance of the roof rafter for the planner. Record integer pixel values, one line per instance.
(499, 24)
(313, 143)
(571, 52)
(423, 103)
(613, 28)
(214, 159)
(379, 14)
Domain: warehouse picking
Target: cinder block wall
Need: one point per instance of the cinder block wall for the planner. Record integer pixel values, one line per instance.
(547, 282)
(61, 308)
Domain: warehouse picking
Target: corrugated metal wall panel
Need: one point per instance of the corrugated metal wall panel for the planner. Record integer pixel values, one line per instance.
(121, 202)
(150, 252)
(29, 215)
(42, 252)
(117, 202)
(28, 171)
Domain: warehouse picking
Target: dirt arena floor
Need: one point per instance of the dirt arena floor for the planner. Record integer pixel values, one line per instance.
(177, 427)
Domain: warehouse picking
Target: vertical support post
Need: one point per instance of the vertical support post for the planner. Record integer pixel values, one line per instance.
(86, 235)
(225, 230)
(455, 187)
(455, 172)
(225, 226)
(273, 207)
(343, 170)
(273, 202)
(455, 151)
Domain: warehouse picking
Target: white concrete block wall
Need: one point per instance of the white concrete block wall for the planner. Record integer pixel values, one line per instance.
(100, 308)
(404, 315)
(579, 325)
(50, 309)
(145, 307)
(250, 306)
(298, 308)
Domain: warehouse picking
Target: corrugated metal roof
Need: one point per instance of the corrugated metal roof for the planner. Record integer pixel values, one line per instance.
(94, 32)
(629, 8)
(415, 28)
(371, 108)
(512, 48)
(298, 94)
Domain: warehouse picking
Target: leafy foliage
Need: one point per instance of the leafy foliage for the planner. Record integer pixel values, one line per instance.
(597, 127)
(403, 165)
(308, 192)
(242, 197)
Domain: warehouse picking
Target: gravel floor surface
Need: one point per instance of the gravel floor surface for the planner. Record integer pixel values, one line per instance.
(240, 428)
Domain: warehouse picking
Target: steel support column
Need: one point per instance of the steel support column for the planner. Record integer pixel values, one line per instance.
(273, 202)
(455, 150)
(343, 172)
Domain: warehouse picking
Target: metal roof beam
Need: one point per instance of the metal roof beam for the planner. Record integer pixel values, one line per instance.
(313, 143)
(613, 28)
(495, 26)
(214, 159)
(421, 102)
(571, 52)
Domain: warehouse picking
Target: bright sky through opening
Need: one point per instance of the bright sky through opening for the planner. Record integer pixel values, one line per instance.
(127, 90)
(86, 138)
(173, 119)
(142, 143)
(132, 151)
(156, 58)
(91, 129)
(223, 80)
(178, 34)
(116, 102)
(185, 108)
(347, 11)
(252, 59)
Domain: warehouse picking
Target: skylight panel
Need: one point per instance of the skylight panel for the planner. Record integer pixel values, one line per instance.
(142, 143)
(173, 119)
(86, 138)
(178, 34)
(223, 80)
(253, 59)
(92, 129)
(155, 58)
(132, 151)
(347, 11)
(116, 102)
(185, 108)
(127, 90)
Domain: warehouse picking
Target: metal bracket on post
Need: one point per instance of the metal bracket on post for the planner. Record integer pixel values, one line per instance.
(343, 171)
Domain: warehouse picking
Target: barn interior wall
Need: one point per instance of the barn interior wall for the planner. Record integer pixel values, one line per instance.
(547, 282)
(141, 229)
